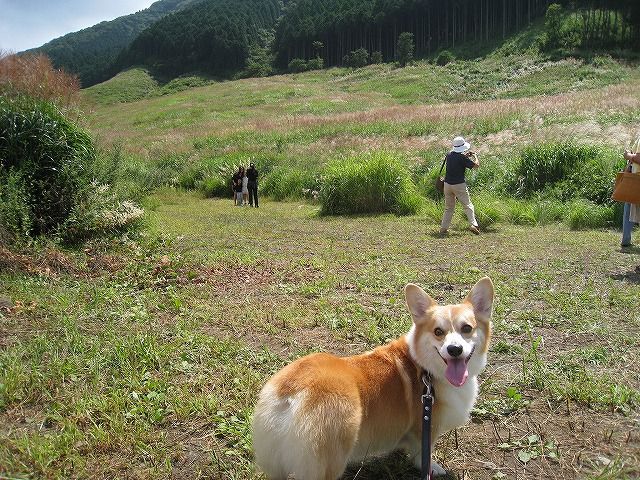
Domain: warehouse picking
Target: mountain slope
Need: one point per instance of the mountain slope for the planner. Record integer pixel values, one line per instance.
(212, 36)
(91, 52)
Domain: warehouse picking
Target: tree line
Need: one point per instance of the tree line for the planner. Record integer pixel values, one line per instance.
(214, 36)
(223, 37)
(91, 53)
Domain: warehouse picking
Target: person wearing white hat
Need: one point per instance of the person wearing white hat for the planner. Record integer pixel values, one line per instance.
(457, 162)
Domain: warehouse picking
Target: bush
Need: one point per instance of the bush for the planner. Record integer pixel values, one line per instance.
(315, 64)
(297, 65)
(445, 57)
(284, 183)
(582, 214)
(52, 157)
(259, 62)
(215, 186)
(15, 212)
(373, 183)
(376, 57)
(357, 58)
(406, 47)
(99, 211)
(50, 176)
(565, 171)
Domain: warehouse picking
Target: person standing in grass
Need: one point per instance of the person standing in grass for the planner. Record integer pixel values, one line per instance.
(252, 185)
(457, 162)
(245, 189)
(237, 186)
(631, 214)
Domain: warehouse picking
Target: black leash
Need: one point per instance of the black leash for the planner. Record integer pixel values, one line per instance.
(428, 394)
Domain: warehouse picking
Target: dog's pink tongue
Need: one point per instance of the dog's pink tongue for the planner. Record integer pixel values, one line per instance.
(456, 372)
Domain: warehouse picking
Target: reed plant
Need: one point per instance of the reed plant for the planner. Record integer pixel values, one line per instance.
(372, 183)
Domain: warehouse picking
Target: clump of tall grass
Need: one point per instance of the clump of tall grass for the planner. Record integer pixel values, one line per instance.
(567, 170)
(583, 214)
(373, 183)
(284, 183)
(215, 186)
(34, 76)
(49, 176)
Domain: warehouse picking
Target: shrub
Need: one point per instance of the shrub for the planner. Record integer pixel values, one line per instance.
(553, 21)
(15, 212)
(50, 154)
(357, 58)
(284, 183)
(405, 48)
(99, 211)
(445, 57)
(297, 65)
(259, 62)
(373, 183)
(215, 186)
(582, 214)
(50, 176)
(376, 57)
(565, 171)
(316, 63)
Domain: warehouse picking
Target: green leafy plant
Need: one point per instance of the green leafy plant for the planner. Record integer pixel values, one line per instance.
(377, 182)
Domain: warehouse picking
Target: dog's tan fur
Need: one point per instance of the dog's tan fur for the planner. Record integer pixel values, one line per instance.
(321, 412)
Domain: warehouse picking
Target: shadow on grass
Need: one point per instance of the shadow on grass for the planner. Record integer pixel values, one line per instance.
(631, 249)
(461, 233)
(394, 466)
(632, 276)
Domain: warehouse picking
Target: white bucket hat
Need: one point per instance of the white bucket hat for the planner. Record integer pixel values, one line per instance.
(460, 145)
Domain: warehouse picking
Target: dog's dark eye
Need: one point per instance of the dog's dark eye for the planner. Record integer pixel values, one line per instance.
(466, 328)
(438, 332)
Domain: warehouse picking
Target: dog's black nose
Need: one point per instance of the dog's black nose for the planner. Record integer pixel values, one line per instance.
(454, 350)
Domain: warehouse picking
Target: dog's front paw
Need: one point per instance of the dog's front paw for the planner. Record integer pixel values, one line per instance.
(437, 470)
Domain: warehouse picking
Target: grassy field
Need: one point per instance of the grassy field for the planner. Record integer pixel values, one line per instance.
(142, 358)
(307, 119)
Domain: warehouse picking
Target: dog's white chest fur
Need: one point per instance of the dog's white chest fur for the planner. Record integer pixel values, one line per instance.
(454, 404)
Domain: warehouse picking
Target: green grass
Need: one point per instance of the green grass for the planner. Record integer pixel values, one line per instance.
(141, 356)
(148, 367)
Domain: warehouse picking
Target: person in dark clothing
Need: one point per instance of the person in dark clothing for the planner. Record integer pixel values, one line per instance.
(252, 175)
(458, 161)
(236, 181)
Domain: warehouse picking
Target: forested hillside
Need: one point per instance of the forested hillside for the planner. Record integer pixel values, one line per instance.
(91, 52)
(224, 36)
(213, 36)
(257, 37)
(345, 25)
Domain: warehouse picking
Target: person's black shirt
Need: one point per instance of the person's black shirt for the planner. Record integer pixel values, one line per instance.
(252, 174)
(457, 165)
(237, 182)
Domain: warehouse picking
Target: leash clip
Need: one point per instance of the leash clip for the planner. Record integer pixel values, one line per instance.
(426, 395)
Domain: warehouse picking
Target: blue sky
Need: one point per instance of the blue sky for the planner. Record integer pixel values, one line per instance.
(30, 23)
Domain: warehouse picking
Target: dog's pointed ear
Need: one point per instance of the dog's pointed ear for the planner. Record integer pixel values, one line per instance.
(481, 298)
(418, 301)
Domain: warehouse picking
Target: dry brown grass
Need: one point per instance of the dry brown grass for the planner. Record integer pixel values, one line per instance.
(35, 76)
(616, 97)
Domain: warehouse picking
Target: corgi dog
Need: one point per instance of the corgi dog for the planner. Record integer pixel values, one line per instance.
(322, 412)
